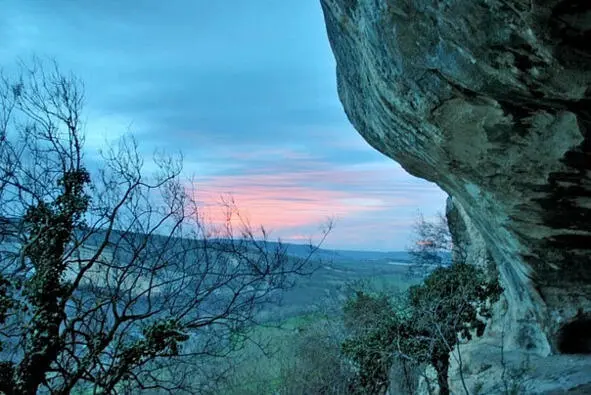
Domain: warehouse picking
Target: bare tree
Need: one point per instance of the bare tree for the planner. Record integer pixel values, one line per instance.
(110, 282)
(432, 244)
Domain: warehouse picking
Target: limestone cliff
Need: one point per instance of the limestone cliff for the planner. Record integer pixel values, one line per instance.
(490, 99)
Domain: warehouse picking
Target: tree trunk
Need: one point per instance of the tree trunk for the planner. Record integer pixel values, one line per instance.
(441, 365)
(42, 351)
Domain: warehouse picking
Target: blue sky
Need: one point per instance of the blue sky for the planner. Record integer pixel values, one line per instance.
(246, 89)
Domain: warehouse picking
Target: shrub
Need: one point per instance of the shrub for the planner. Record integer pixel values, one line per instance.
(453, 301)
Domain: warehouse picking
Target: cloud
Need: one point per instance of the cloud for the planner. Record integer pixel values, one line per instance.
(184, 66)
(245, 89)
(372, 204)
(279, 203)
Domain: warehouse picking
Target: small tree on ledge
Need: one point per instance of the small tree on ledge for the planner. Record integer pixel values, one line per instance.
(453, 302)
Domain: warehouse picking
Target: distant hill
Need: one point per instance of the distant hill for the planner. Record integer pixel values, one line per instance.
(296, 250)
(397, 256)
(335, 269)
(303, 250)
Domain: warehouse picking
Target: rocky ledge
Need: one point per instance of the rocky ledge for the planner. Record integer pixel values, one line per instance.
(491, 100)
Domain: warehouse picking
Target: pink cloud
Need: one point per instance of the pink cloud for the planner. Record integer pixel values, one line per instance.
(288, 200)
(374, 205)
(269, 201)
(297, 237)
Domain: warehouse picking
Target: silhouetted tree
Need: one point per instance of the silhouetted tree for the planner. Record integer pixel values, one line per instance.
(109, 280)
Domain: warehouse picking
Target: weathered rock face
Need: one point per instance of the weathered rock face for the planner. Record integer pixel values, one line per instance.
(490, 99)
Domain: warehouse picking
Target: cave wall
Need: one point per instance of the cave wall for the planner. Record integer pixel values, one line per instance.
(491, 100)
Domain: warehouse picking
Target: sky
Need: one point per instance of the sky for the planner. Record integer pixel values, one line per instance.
(247, 91)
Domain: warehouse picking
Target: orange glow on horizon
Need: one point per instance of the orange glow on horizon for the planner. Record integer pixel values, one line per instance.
(277, 202)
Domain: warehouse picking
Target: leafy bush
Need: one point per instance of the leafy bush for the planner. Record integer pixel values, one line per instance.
(453, 301)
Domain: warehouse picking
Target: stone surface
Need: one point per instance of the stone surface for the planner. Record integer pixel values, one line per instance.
(491, 100)
(488, 371)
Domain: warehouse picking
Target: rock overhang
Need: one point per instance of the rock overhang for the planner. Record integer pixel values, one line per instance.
(491, 100)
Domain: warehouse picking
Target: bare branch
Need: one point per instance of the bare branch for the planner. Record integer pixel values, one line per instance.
(110, 279)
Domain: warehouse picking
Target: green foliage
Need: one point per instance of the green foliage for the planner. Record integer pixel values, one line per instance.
(6, 300)
(456, 299)
(375, 325)
(51, 227)
(162, 338)
(365, 311)
(452, 301)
